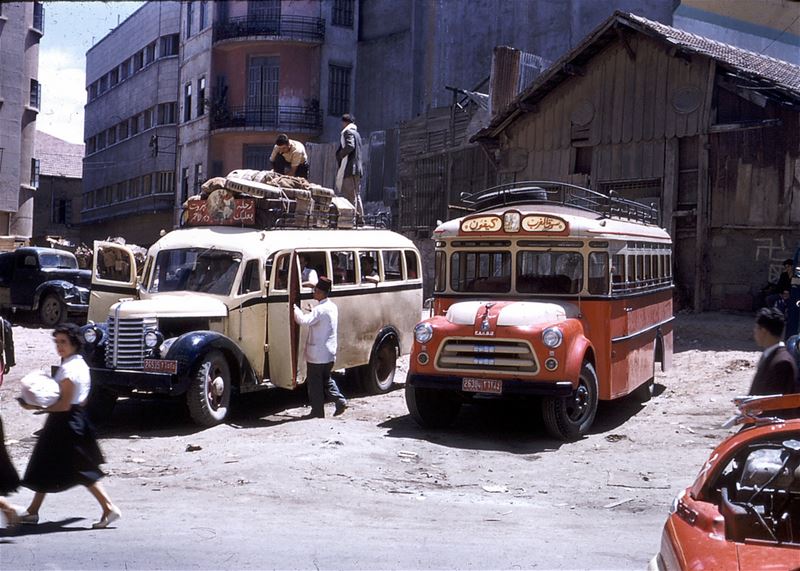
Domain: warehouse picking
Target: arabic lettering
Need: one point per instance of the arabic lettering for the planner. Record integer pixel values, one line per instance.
(482, 224)
(543, 224)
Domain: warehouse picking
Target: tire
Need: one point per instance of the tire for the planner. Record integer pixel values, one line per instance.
(209, 394)
(569, 418)
(431, 408)
(101, 405)
(52, 310)
(378, 377)
(644, 392)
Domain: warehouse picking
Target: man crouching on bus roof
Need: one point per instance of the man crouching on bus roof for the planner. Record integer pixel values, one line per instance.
(320, 351)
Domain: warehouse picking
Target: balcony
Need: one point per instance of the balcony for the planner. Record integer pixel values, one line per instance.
(278, 118)
(296, 28)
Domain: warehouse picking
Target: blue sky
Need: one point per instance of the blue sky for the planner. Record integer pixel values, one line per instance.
(70, 29)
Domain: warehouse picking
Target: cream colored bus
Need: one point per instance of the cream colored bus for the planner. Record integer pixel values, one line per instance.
(211, 312)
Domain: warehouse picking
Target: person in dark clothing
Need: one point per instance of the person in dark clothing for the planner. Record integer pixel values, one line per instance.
(67, 453)
(784, 283)
(289, 157)
(9, 479)
(777, 370)
(351, 168)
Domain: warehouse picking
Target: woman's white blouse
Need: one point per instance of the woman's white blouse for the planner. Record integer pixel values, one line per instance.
(76, 370)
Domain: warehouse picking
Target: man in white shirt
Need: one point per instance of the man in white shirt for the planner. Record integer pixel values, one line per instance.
(289, 157)
(322, 322)
(308, 276)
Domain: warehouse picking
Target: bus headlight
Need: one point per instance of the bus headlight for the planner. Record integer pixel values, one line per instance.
(552, 337)
(423, 332)
(152, 339)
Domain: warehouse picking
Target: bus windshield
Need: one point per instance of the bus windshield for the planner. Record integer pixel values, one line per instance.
(195, 269)
(484, 272)
(549, 272)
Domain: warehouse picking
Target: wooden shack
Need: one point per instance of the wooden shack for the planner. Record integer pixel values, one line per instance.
(706, 131)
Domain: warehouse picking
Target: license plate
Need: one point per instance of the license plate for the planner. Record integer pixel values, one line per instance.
(160, 366)
(493, 386)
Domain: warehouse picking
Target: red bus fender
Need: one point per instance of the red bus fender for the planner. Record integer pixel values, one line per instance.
(581, 350)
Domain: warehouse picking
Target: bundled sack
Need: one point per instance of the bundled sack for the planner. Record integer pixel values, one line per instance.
(39, 389)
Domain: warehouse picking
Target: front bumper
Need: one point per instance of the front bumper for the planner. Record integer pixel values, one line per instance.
(77, 307)
(514, 387)
(126, 382)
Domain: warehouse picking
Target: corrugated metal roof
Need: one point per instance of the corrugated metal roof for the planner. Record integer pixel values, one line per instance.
(781, 78)
(58, 157)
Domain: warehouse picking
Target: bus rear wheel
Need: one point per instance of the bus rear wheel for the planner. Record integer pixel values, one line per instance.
(569, 418)
(431, 408)
(378, 376)
(209, 394)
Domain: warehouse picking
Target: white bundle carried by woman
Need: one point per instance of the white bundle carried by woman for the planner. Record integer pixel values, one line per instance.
(39, 389)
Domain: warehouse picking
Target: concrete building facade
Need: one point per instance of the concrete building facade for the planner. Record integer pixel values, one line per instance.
(132, 101)
(57, 208)
(21, 29)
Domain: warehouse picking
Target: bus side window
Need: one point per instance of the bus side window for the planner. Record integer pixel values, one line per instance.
(316, 263)
(412, 265)
(392, 269)
(631, 264)
(598, 273)
(618, 269)
(344, 268)
(250, 278)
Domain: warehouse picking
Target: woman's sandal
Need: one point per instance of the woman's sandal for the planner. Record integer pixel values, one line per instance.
(108, 518)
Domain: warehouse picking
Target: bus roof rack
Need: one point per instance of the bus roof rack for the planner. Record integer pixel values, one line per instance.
(608, 205)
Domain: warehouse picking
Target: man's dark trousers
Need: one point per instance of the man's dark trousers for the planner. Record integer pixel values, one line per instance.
(320, 385)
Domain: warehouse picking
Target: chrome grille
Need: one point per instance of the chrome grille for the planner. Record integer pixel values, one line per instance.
(126, 342)
(494, 355)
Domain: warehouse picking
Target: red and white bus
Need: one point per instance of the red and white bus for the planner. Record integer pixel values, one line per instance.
(548, 290)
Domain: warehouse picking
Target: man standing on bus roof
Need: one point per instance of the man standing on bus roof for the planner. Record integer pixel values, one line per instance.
(348, 155)
(320, 351)
(289, 157)
(777, 370)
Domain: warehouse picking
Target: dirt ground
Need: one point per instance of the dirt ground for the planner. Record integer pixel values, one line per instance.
(372, 490)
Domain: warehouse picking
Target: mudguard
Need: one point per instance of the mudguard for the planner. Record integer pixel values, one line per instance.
(190, 347)
(388, 331)
(577, 354)
(66, 290)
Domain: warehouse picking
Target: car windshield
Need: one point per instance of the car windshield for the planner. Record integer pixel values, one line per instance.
(60, 261)
(195, 269)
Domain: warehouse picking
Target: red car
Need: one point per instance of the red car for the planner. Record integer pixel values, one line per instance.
(743, 511)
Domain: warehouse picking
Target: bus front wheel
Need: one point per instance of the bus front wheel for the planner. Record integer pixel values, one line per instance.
(209, 395)
(569, 418)
(431, 408)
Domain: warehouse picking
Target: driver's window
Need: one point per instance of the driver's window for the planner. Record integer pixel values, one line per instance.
(281, 278)
(113, 264)
(250, 278)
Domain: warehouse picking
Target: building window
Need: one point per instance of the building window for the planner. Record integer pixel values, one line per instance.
(93, 91)
(91, 146)
(101, 141)
(150, 53)
(184, 184)
(203, 14)
(189, 17)
(169, 45)
(198, 177)
(343, 11)
(256, 157)
(135, 187)
(339, 89)
(35, 173)
(148, 119)
(167, 113)
(147, 184)
(134, 125)
(187, 102)
(138, 60)
(113, 77)
(124, 70)
(36, 94)
(112, 136)
(103, 84)
(123, 130)
(166, 182)
(583, 160)
(201, 96)
(38, 16)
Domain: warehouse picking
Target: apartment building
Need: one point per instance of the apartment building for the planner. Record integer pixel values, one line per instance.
(21, 29)
(130, 127)
(182, 91)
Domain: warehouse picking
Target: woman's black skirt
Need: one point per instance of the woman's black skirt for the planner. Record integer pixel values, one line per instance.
(66, 454)
(9, 479)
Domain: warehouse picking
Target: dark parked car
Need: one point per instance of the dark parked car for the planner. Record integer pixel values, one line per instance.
(46, 281)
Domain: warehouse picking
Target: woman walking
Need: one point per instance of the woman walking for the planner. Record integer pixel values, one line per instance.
(67, 453)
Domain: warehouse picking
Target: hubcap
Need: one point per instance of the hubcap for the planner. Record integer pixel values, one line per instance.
(215, 388)
(52, 309)
(578, 405)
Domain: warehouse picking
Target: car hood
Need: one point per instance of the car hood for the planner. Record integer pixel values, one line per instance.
(511, 313)
(177, 304)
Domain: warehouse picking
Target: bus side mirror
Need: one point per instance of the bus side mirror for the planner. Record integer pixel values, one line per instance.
(427, 308)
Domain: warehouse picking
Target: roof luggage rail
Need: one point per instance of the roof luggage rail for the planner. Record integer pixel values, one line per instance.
(610, 205)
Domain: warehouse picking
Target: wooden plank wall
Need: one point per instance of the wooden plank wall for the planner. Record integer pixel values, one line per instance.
(633, 114)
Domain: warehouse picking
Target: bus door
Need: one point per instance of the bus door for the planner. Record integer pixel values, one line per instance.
(113, 278)
(286, 366)
(247, 317)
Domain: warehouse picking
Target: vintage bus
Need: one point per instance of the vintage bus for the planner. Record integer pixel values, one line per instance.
(212, 312)
(547, 290)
